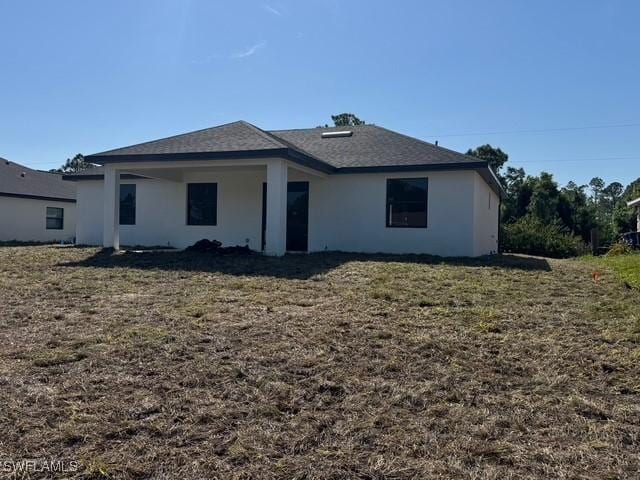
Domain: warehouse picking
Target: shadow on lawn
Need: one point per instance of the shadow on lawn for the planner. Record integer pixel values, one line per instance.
(301, 267)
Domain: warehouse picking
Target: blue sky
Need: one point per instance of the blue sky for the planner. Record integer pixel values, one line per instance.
(86, 76)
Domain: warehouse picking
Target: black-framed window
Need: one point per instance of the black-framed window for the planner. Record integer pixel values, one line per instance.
(202, 204)
(127, 204)
(55, 218)
(407, 202)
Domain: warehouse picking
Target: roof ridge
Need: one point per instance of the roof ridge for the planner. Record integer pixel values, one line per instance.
(320, 128)
(263, 133)
(16, 164)
(11, 163)
(295, 147)
(241, 122)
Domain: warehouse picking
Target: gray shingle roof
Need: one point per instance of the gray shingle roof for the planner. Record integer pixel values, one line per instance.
(370, 146)
(231, 137)
(20, 181)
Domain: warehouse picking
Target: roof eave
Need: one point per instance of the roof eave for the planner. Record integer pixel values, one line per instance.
(481, 167)
(73, 177)
(289, 153)
(38, 197)
(177, 157)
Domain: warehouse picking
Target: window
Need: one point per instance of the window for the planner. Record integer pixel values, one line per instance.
(127, 204)
(55, 218)
(202, 203)
(407, 202)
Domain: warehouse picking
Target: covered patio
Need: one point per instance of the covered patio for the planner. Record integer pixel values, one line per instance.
(257, 198)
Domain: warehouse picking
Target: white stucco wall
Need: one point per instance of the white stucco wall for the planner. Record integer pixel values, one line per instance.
(25, 220)
(486, 208)
(161, 211)
(346, 212)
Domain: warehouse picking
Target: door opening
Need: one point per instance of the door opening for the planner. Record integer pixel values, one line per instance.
(297, 216)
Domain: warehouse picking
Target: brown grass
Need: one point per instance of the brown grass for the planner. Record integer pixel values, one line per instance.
(179, 365)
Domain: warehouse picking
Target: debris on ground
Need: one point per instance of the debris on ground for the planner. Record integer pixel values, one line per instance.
(214, 246)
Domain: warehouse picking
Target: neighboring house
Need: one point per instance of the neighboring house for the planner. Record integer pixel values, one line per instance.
(358, 189)
(35, 206)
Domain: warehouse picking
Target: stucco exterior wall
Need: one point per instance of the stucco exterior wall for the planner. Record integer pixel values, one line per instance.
(25, 220)
(346, 212)
(486, 208)
(161, 211)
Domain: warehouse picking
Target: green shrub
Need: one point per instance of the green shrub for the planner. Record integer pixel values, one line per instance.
(532, 236)
(620, 248)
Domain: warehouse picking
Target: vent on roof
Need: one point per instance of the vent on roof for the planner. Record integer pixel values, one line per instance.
(345, 133)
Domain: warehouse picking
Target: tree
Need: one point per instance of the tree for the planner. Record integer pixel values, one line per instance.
(494, 156)
(346, 120)
(519, 192)
(614, 191)
(73, 165)
(597, 185)
(575, 211)
(545, 199)
(624, 218)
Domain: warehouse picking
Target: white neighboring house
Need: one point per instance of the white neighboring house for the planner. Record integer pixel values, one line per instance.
(35, 206)
(636, 203)
(356, 189)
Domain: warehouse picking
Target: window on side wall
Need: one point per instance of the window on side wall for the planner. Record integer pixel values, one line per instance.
(127, 204)
(55, 218)
(407, 202)
(202, 203)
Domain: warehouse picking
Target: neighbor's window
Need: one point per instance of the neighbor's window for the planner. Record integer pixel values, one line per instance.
(127, 204)
(202, 203)
(407, 202)
(55, 218)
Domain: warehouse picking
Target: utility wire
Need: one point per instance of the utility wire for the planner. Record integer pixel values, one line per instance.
(537, 130)
(594, 159)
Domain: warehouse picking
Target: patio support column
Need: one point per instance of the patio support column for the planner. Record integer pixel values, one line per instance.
(276, 231)
(111, 200)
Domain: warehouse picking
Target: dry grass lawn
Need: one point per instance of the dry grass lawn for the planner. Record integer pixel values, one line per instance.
(177, 365)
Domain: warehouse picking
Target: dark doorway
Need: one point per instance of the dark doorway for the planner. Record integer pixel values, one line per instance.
(297, 216)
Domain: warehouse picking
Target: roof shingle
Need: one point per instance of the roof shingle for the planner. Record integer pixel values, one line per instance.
(18, 180)
(370, 146)
(231, 137)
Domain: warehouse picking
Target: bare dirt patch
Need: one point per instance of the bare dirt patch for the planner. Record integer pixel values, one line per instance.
(322, 366)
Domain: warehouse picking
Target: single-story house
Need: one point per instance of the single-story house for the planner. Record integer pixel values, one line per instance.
(358, 189)
(35, 206)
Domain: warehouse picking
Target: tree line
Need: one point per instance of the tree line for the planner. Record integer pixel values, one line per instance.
(571, 211)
